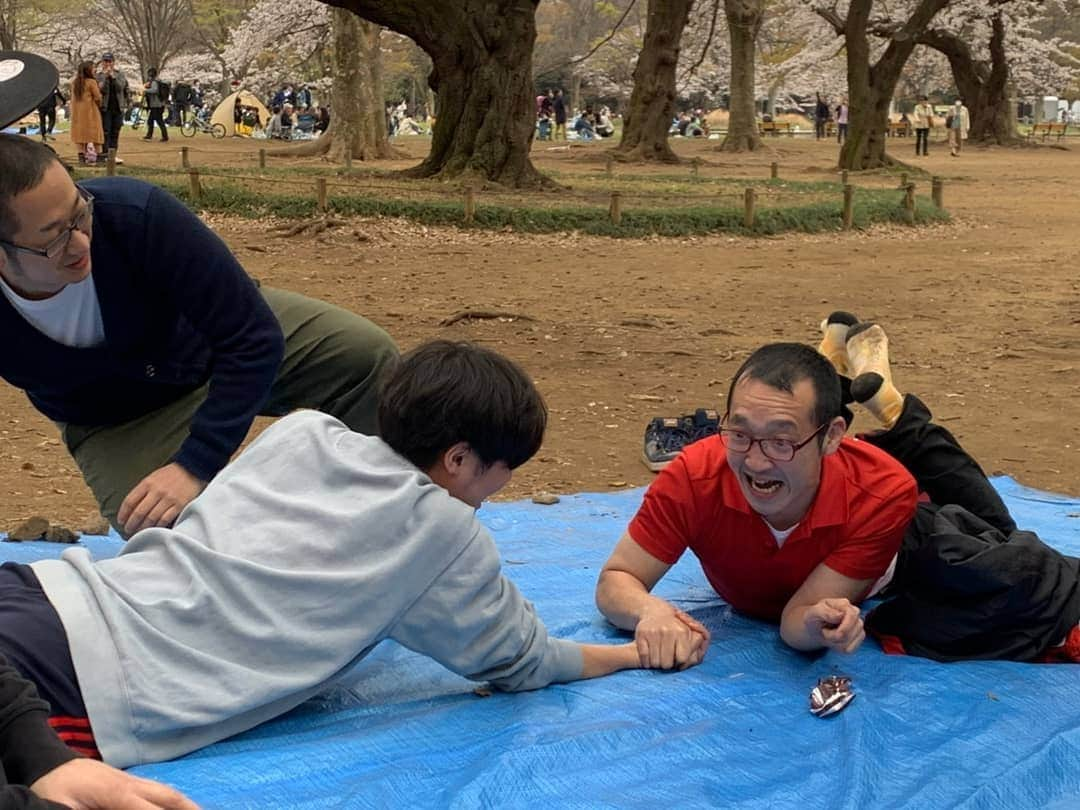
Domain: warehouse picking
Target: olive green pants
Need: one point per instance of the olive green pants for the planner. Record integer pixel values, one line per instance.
(333, 361)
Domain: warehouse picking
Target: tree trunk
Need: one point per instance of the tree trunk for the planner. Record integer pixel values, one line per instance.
(871, 87)
(985, 90)
(9, 25)
(358, 122)
(744, 22)
(652, 105)
(481, 52)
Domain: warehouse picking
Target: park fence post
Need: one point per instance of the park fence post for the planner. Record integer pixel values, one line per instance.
(843, 177)
(184, 164)
(615, 209)
(909, 203)
(470, 204)
(849, 208)
(348, 159)
(937, 187)
(694, 167)
(749, 202)
(609, 167)
(903, 180)
(110, 163)
(320, 193)
(262, 158)
(775, 169)
(196, 186)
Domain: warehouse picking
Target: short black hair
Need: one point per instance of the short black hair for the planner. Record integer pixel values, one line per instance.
(23, 164)
(782, 365)
(442, 393)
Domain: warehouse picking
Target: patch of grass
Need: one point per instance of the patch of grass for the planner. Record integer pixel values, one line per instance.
(817, 208)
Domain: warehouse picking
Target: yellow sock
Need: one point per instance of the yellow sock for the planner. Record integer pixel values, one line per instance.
(834, 330)
(871, 384)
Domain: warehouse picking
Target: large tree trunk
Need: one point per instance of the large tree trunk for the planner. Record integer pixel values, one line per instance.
(481, 52)
(871, 87)
(358, 122)
(985, 90)
(652, 105)
(744, 22)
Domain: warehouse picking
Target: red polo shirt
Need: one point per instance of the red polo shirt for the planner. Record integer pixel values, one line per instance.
(855, 525)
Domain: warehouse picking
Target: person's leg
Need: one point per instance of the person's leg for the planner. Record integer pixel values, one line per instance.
(333, 360)
(50, 120)
(941, 467)
(161, 123)
(149, 125)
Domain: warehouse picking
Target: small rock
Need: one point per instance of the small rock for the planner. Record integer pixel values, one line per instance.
(30, 529)
(60, 534)
(545, 498)
(27, 465)
(96, 526)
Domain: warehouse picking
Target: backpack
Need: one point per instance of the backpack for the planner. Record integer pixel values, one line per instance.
(163, 91)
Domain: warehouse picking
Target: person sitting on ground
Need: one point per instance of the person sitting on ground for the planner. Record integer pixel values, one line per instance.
(143, 338)
(322, 120)
(274, 129)
(309, 549)
(583, 127)
(40, 772)
(796, 524)
(604, 127)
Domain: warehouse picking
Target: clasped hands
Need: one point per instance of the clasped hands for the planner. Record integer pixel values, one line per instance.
(668, 638)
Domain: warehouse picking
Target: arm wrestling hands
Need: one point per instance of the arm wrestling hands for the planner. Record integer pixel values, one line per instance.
(664, 636)
(86, 784)
(158, 499)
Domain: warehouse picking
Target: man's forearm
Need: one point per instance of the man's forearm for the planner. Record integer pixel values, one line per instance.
(603, 659)
(794, 632)
(624, 600)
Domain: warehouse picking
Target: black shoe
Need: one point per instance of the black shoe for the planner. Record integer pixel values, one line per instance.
(665, 436)
(704, 422)
(147, 138)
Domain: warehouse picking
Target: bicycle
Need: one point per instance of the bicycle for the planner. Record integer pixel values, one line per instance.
(196, 124)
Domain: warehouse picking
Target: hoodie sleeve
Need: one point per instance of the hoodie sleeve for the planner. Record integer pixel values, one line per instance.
(475, 622)
(28, 746)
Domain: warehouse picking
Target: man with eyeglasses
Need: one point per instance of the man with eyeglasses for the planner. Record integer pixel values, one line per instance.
(142, 337)
(797, 524)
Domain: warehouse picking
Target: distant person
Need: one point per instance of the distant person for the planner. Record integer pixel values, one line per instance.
(841, 121)
(921, 119)
(181, 103)
(821, 117)
(196, 96)
(303, 97)
(604, 127)
(958, 123)
(155, 98)
(583, 127)
(47, 112)
(115, 100)
(86, 127)
(274, 128)
(558, 104)
(322, 120)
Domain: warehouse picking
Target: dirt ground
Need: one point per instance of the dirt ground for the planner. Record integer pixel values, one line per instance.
(983, 314)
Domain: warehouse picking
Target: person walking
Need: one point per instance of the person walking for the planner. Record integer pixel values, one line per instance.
(958, 124)
(821, 117)
(155, 105)
(115, 99)
(47, 113)
(921, 118)
(841, 121)
(86, 126)
(559, 105)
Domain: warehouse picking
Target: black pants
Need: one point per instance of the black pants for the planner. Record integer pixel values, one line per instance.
(47, 119)
(819, 129)
(841, 133)
(922, 139)
(112, 121)
(155, 114)
(968, 584)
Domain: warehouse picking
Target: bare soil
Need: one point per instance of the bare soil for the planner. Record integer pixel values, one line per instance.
(983, 314)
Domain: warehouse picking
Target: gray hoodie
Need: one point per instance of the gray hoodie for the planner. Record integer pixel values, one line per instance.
(312, 547)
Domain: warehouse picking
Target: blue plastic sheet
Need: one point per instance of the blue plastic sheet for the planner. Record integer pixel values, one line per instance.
(401, 731)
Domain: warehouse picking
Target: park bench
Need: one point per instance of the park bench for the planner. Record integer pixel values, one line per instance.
(776, 127)
(899, 129)
(1048, 128)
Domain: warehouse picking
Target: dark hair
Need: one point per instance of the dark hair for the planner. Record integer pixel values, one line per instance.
(23, 163)
(152, 72)
(442, 393)
(782, 365)
(85, 72)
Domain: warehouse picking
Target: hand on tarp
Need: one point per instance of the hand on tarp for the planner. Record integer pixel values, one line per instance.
(86, 784)
(668, 638)
(837, 623)
(159, 498)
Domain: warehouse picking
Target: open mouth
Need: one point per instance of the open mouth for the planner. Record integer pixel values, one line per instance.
(763, 486)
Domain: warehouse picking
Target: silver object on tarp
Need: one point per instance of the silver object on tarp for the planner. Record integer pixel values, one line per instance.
(831, 695)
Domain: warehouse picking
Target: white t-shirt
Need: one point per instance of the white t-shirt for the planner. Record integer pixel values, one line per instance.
(875, 589)
(72, 317)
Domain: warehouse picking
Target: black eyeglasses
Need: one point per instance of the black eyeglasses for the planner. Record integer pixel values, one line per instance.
(82, 222)
(738, 441)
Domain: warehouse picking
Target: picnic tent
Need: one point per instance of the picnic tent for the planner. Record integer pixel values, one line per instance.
(224, 113)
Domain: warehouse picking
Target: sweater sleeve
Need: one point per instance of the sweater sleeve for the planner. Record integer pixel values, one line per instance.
(200, 275)
(475, 622)
(28, 746)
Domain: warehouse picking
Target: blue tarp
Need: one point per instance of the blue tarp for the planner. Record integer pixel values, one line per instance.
(733, 732)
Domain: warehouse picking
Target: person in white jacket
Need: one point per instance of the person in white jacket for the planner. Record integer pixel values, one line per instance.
(921, 119)
(959, 124)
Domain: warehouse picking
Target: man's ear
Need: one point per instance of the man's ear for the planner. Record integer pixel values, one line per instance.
(452, 459)
(834, 433)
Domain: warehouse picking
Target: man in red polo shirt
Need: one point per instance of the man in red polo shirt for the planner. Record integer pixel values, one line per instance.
(795, 523)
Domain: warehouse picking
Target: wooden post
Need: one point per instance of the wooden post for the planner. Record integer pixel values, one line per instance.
(749, 201)
(616, 208)
(843, 178)
(775, 170)
(348, 159)
(938, 191)
(196, 187)
(903, 179)
(609, 167)
(320, 193)
(849, 207)
(262, 158)
(184, 158)
(110, 163)
(694, 168)
(909, 203)
(470, 204)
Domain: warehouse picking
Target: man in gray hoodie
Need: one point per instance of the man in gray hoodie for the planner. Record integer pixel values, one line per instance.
(299, 557)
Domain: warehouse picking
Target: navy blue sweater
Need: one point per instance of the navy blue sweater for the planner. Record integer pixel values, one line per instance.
(178, 310)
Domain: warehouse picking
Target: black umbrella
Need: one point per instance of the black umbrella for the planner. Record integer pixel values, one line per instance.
(26, 80)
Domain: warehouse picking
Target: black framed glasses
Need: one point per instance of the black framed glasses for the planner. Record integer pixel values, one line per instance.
(739, 441)
(82, 222)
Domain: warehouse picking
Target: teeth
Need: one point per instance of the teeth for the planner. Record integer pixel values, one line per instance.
(764, 486)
